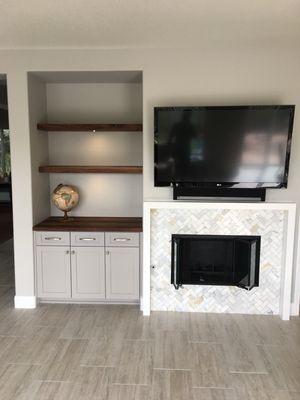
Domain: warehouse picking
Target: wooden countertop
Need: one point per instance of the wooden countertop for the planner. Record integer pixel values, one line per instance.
(91, 224)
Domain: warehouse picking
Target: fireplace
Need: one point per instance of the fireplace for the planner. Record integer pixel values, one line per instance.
(215, 260)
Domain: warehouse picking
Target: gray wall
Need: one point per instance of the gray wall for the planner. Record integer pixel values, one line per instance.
(215, 74)
(100, 194)
(37, 107)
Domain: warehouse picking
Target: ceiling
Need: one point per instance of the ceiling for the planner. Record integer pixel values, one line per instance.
(146, 23)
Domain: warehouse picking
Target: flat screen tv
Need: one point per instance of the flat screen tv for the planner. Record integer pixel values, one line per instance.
(233, 147)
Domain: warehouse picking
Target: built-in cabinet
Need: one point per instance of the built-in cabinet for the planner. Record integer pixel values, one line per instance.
(53, 266)
(122, 273)
(88, 273)
(87, 266)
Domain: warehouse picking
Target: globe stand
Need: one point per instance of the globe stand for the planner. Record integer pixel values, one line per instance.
(66, 218)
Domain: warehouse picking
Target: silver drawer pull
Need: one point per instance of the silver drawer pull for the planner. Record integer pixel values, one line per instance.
(53, 238)
(87, 239)
(122, 239)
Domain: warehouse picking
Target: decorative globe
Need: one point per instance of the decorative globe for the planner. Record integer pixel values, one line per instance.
(65, 198)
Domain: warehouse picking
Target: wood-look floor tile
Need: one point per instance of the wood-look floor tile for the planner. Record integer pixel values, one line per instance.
(139, 328)
(169, 321)
(260, 382)
(112, 352)
(210, 368)
(171, 385)
(255, 394)
(128, 392)
(214, 394)
(284, 395)
(103, 351)
(34, 349)
(284, 364)
(46, 390)
(88, 383)
(292, 334)
(263, 329)
(6, 343)
(201, 328)
(65, 356)
(243, 356)
(134, 365)
(226, 327)
(172, 350)
(15, 322)
(116, 318)
(81, 325)
(16, 379)
(53, 314)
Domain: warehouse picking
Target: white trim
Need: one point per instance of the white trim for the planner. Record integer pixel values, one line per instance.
(295, 309)
(287, 270)
(146, 258)
(75, 301)
(286, 309)
(25, 302)
(296, 299)
(215, 205)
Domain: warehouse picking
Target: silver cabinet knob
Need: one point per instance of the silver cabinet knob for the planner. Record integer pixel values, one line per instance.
(73, 252)
(67, 252)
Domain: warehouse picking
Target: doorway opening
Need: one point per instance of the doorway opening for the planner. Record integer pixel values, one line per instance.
(6, 215)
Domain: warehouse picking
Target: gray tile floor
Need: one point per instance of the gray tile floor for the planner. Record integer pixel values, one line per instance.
(110, 352)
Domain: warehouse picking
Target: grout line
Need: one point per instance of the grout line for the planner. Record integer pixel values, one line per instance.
(96, 366)
(213, 387)
(248, 372)
(24, 363)
(129, 384)
(50, 381)
(205, 342)
(172, 369)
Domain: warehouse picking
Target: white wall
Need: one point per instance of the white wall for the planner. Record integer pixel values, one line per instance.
(39, 149)
(94, 102)
(21, 181)
(100, 194)
(206, 75)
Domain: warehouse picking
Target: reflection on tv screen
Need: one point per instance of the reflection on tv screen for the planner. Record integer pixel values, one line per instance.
(247, 145)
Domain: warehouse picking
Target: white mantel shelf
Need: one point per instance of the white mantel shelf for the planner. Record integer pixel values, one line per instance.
(289, 232)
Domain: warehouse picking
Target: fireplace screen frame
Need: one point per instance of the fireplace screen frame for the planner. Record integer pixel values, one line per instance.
(244, 261)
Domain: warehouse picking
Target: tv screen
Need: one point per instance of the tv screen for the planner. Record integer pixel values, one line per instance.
(243, 146)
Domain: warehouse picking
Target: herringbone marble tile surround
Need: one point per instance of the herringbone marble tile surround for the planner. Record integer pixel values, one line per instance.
(269, 224)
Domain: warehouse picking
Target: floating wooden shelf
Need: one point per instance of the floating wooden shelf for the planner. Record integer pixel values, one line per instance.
(49, 127)
(91, 169)
(91, 224)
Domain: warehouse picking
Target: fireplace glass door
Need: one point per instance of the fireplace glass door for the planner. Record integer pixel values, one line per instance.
(215, 260)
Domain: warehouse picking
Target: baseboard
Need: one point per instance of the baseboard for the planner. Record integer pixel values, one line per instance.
(95, 302)
(294, 310)
(25, 302)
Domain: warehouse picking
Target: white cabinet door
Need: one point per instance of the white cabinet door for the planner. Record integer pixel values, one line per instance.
(88, 273)
(53, 272)
(122, 273)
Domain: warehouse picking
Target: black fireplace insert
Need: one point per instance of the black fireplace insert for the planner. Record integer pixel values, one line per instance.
(215, 260)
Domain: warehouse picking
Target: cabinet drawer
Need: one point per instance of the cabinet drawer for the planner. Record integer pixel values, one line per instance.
(52, 238)
(87, 239)
(121, 239)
